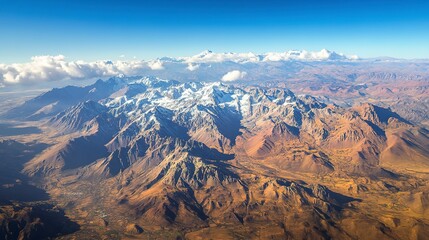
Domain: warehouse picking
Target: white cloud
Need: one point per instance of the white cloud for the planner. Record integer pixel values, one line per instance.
(233, 76)
(156, 65)
(56, 68)
(192, 67)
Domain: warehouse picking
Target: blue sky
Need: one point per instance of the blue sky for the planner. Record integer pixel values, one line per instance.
(93, 30)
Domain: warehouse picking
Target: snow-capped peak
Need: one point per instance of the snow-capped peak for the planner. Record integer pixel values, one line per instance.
(297, 55)
(184, 97)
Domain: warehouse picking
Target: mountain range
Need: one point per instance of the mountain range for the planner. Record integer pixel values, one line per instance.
(143, 156)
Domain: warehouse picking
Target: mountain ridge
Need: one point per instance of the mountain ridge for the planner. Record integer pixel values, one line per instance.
(197, 156)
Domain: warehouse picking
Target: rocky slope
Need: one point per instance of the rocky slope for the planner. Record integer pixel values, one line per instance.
(19, 221)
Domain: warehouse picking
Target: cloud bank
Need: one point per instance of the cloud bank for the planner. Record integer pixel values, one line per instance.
(322, 55)
(58, 68)
(234, 76)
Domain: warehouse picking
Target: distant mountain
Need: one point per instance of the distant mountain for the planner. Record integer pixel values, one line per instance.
(59, 99)
(303, 55)
(195, 155)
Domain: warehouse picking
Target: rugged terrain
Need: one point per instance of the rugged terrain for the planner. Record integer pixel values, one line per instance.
(150, 158)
